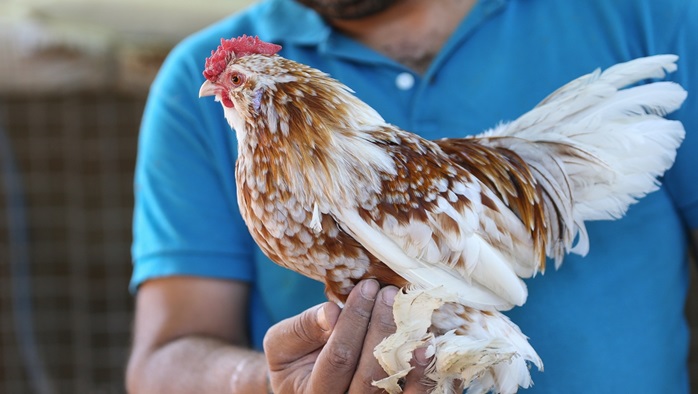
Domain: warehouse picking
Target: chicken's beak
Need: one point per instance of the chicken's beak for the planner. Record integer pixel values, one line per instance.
(208, 88)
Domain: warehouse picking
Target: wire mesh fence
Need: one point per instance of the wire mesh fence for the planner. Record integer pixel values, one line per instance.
(74, 161)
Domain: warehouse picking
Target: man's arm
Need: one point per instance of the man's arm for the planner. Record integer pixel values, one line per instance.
(189, 337)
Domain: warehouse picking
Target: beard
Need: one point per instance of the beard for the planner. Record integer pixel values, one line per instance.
(347, 9)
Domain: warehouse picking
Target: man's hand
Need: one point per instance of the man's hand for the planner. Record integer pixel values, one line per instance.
(329, 350)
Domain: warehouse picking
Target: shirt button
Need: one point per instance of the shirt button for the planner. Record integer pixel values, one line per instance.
(404, 81)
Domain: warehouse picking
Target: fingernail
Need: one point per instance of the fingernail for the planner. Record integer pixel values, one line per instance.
(369, 289)
(420, 356)
(322, 319)
(389, 295)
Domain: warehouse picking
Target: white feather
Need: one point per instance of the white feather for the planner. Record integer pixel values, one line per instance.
(596, 149)
(418, 272)
(315, 221)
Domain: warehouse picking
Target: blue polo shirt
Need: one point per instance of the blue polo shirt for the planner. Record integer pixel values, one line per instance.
(611, 322)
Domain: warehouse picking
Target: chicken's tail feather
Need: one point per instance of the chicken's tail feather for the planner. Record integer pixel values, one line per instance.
(596, 145)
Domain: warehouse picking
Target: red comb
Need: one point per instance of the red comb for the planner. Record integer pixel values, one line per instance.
(236, 47)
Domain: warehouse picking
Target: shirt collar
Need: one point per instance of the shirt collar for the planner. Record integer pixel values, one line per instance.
(481, 12)
(309, 29)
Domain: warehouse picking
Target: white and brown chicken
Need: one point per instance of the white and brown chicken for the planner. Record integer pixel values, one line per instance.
(329, 189)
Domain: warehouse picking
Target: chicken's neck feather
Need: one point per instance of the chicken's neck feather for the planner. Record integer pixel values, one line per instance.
(310, 135)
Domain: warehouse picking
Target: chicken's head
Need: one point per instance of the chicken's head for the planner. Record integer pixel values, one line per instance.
(236, 73)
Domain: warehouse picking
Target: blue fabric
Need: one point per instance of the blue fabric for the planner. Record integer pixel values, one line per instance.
(607, 323)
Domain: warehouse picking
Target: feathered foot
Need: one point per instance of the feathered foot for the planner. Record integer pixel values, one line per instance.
(480, 350)
(412, 311)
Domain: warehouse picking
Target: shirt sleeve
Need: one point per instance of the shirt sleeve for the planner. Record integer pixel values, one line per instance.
(186, 220)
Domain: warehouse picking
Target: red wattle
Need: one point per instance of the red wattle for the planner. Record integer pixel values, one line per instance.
(227, 102)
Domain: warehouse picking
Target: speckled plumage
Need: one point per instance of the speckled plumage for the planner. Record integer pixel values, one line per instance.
(329, 189)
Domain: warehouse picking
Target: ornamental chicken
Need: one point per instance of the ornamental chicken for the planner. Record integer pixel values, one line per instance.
(329, 189)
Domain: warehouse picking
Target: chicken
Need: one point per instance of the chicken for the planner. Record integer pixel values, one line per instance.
(329, 189)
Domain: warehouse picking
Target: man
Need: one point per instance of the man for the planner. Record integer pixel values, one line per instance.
(610, 322)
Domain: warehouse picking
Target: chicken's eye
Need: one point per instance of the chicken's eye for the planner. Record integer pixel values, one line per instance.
(237, 79)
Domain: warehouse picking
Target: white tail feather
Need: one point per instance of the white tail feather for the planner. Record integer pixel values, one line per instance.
(596, 149)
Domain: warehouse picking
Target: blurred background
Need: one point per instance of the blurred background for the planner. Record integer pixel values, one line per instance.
(74, 75)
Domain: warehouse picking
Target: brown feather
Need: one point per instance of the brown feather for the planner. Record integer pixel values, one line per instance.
(505, 173)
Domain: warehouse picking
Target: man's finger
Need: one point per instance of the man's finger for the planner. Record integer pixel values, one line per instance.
(298, 336)
(382, 325)
(415, 382)
(337, 361)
